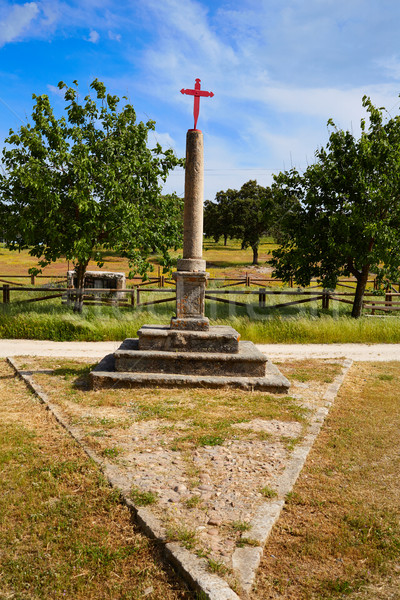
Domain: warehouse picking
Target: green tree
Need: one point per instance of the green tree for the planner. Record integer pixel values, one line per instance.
(85, 182)
(252, 209)
(347, 221)
(244, 214)
(219, 216)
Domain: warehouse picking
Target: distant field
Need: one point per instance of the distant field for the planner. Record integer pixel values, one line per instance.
(221, 260)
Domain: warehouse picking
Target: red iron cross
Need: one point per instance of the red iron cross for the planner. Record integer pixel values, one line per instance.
(197, 92)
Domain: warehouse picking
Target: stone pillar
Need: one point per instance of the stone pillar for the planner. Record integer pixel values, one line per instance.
(191, 273)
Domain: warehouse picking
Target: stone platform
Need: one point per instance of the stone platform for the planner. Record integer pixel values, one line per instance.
(164, 357)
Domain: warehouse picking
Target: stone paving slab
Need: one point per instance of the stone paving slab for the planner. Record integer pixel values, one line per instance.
(261, 514)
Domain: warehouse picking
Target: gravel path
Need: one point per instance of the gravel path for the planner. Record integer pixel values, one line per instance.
(358, 352)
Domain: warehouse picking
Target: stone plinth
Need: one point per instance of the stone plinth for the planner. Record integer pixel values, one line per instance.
(104, 376)
(163, 357)
(190, 294)
(215, 339)
(248, 361)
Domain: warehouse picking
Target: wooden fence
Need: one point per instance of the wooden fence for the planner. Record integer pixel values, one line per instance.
(133, 297)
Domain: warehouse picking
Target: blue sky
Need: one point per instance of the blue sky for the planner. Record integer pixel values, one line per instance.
(279, 70)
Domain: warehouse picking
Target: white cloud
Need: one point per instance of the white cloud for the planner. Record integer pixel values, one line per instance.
(114, 36)
(17, 21)
(391, 65)
(55, 90)
(343, 105)
(164, 139)
(94, 37)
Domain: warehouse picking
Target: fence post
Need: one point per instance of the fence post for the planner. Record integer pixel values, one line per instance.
(261, 297)
(325, 299)
(137, 295)
(291, 282)
(133, 298)
(248, 282)
(388, 297)
(32, 280)
(6, 294)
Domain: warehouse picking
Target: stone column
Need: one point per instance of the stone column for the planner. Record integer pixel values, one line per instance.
(191, 273)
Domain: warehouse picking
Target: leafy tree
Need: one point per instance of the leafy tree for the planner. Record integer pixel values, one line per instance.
(211, 220)
(85, 182)
(244, 214)
(347, 221)
(252, 215)
(219, 216)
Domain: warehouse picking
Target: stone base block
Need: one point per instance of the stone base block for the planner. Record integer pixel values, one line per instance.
(190, 323)
(104, 376)
(247, 362)
(191, 264)
(162, 337)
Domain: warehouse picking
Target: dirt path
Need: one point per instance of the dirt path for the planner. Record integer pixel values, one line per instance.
(358, 352)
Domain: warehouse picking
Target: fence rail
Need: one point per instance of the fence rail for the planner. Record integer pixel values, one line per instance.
(161, 280)
(133, 297)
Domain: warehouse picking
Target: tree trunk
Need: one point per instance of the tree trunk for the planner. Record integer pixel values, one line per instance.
(360, 290)
(80, 270)
(255, 255)
(225, 239)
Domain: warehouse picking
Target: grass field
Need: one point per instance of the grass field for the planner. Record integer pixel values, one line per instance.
(304, 323)
(339, 534)
(222, 261)
(51, 320)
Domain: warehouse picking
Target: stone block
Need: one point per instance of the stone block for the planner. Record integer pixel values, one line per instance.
(216, 339)
(190, 323)
(191, 264)
(104, 376)
(247, 362)
(190, 292)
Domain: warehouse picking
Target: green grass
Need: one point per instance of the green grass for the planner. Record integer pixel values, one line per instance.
(268, 492)
(304, 323)
(179, 533)
(51, 321)
(141, 498)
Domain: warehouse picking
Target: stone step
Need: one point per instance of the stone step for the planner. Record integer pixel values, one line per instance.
(219, 339)
(104, 376)
(247, 362)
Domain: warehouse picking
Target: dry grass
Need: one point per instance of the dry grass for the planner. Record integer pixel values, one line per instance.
(222, 260)
(339, 534)
(321, 371)
(63, 531)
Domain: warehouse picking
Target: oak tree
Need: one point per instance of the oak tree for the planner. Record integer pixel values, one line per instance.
(244, 214)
